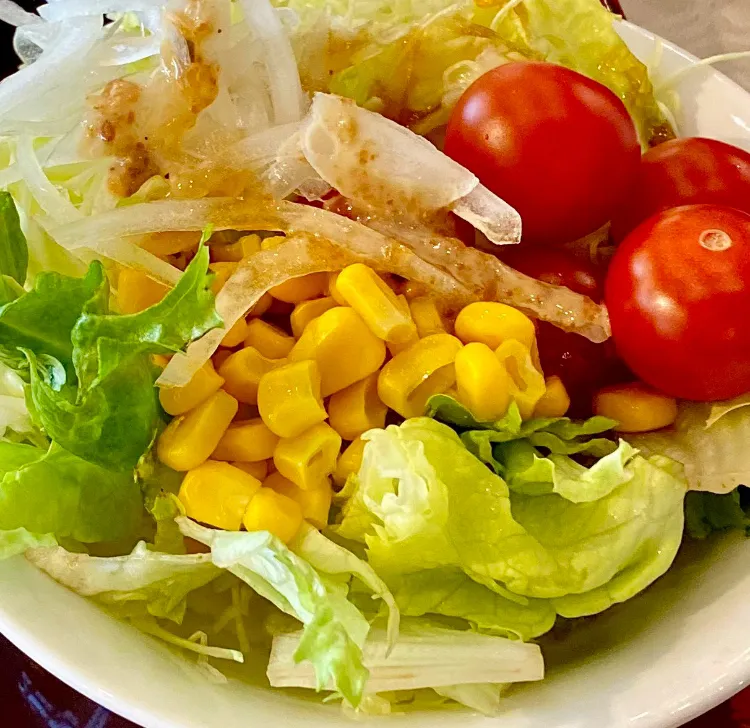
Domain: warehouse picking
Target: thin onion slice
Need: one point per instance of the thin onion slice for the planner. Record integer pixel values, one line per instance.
(490, 215)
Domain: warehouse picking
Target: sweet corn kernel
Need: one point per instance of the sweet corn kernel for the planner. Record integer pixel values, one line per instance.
(426, 316)
(264, 303)
(306, 311)
(269, 340)
(220, 357)
(333, 291)
(289, 398)
(178, 400)
(493, 323)
(349, 462)
(300, 289)
(370, 296)
(159, 360)
(343, 346)
(227, 253)
(310, 457)
(482, 381)
(408, 380)
(236, 335)
(270, 511)
(555, 400)
(189, 440)
(218, 494)
(248, 441)
(526, 381)
(250, 245)
(635, 407)
(137, 292)
(242, 373)
(258, 470)
(222, 272)
(357, 408)
(315, 503)
(396, 348)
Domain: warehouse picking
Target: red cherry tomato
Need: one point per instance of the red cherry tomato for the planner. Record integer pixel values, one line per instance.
(556, 145)
(678, 294)
(685, 172)
(583, 367)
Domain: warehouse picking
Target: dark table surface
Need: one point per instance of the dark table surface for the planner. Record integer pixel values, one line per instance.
(31, 698)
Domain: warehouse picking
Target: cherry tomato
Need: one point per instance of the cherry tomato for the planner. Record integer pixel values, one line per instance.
(556, 145)
(583, 367)
(685, 172)
(678, 294)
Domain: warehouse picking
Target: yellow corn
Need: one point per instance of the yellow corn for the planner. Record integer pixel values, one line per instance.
(343, 346)
(222, 272)
(333, 291)
(270, 511)
(635, 407)
(306, 311)
(160, 360)
(218, 494)
(289, 398)
(526, 381)
(396, 348)
(236, 335)
(269, 340)
(426, 316)
(263, 304)
(370, 296)
(301, 289)
(227, 253)
(189, 440)
(247, 441)
(178, 400)
(408, 380)
(220, 357)
(258, 470)
(482, 381)
(250, 245)
(137, 292)
(493, 323)
(349, 462)
(555, 400)
(242, 372)
(309, 458)
(315, 503)
(357, 408)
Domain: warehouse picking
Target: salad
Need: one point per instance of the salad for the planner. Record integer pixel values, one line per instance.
(362, 342)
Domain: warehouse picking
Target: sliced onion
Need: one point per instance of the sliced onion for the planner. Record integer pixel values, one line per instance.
(64, 10)
(490, 215)
(60, 62)
(283, 77)
(371, 159)
(14, 14)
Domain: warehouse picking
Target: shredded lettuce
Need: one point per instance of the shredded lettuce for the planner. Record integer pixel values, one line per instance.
(706, 513)
(335, 630)
(14, 253)
(412, 60)
(19, 540)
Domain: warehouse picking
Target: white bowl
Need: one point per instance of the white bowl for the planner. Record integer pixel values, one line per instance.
(656, 662)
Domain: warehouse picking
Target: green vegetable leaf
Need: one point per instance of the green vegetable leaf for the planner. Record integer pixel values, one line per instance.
(156, 582)
(422, 501)
(56, 492)
(334, 630)
(14, 252)
(19, 540)
(451, 593)
(108, 411)
(716, 457)
(706, 513)
(43, 319)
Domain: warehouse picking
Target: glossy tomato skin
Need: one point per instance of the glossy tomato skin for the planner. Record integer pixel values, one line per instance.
(558, 146)
(686, 171)
(583, 366)
(679, 300)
